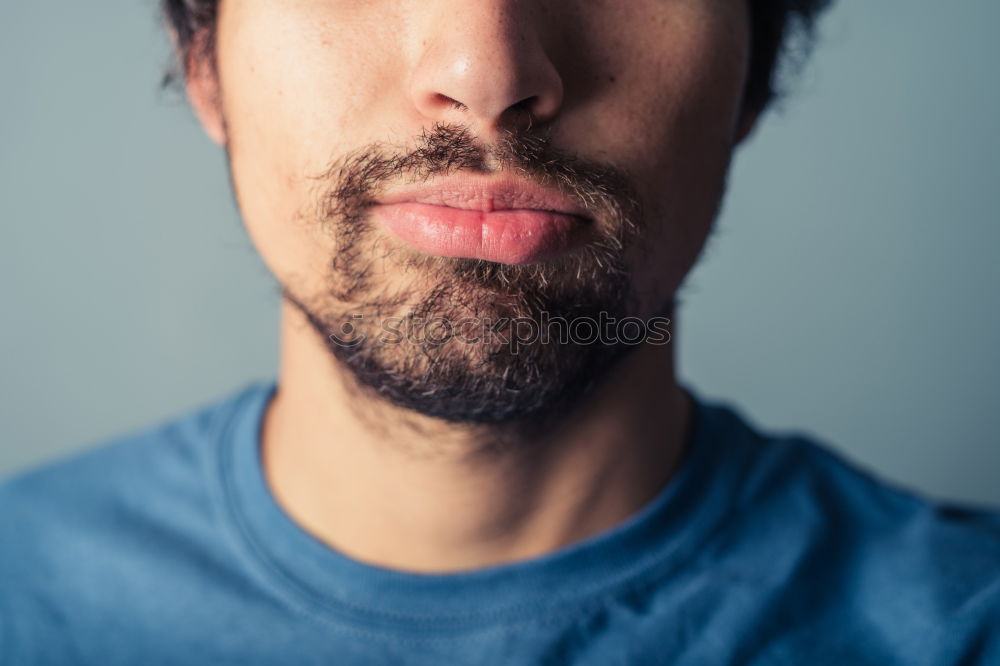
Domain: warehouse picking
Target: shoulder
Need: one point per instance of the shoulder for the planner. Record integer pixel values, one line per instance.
(73, 531)
(885, 565)
(120, 471)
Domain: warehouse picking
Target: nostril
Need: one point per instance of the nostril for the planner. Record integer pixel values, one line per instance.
(521, 114)
(444, 102)
(524, 106)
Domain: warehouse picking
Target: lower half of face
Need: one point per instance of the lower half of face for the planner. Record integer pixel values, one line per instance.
(472, 271)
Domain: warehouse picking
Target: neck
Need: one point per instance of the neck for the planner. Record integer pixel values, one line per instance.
(407, 492)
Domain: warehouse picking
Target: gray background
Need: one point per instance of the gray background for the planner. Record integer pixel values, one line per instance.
(852, 290)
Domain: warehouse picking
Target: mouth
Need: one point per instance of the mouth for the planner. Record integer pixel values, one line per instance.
(506, 220)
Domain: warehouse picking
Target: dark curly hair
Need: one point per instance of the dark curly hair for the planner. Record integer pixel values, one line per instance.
(778, 27)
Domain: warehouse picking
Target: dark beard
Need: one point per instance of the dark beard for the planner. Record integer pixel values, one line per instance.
(456, 341)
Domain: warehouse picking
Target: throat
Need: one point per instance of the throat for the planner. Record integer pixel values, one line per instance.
(400, 490)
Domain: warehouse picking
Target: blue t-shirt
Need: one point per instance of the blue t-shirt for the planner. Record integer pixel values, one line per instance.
(166, 547)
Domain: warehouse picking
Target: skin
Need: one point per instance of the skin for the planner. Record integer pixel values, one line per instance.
(652, 87)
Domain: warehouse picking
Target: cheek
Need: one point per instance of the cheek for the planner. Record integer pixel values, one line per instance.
(670, 119)
(293, 82)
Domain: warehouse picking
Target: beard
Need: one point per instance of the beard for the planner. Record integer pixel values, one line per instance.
(469, 340)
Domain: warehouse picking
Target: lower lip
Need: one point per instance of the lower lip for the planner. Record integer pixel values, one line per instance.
(519, 236)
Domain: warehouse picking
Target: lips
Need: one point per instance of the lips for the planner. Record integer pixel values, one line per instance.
(508, 220)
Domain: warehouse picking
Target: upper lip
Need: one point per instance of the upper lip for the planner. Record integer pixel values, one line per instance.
(486, 194)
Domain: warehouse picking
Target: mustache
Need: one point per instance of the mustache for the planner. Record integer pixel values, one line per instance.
(353, 182)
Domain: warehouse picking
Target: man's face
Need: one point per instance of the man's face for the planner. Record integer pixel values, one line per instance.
(435, 163)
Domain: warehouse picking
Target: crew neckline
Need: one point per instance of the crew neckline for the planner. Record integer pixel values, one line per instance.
(654, 541)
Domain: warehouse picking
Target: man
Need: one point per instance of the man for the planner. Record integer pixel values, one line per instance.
(477, 451)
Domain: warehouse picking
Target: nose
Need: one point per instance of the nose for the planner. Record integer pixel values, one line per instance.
(484, 64)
